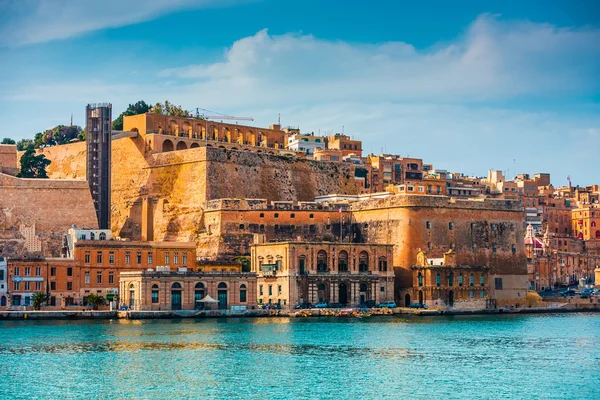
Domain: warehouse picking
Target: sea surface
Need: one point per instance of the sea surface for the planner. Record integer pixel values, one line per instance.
(550, 356)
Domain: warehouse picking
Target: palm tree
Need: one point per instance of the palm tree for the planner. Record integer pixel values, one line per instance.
(95, 301)
(38, 298)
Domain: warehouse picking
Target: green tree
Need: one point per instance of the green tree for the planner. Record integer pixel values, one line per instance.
(170, 109)
(32, 165)
(95, 301)
(245, 261)
(7, 141)
(133, 109)
(38, 299)
(24, 143)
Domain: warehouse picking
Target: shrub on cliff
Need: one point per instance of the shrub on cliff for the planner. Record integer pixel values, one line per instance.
(32, 165)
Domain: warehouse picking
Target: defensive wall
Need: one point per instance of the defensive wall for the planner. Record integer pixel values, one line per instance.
(162, 195)
(8, 159)
(482, 232)
(35, 214)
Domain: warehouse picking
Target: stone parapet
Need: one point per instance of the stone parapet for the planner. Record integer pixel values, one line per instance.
(431, 201)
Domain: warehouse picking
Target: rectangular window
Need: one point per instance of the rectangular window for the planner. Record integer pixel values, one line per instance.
(127, 257)
(52, 285)
(87, 277)
(99, 257)
(139, 257)
(27, 286)
(38, 286)
(27, 271)
(69, 271)
(176, 258)
(498, 283)
(87, 257)
(260, 290)
(17, 271)
(184, 260)
(471, 294)
(279, 289)
(155, 296)
(38, 271)
(16, 286)
(111, 257)
(270, 290)
(150, 258)
(99, 277)
(167, 258)
(52, 271)
(69, 285)
(111, 277)
(243, 296)
(482, 294)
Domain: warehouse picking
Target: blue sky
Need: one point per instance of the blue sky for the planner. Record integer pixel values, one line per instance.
(466, 85)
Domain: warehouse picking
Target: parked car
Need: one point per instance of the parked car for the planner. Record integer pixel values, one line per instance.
(303, 306)
(273, 306)
(569, 292)
(586, 292)
(417, 305)
(124, 308)
(321, 304)
(369, 304)
(595, 291)
(336, 305)
(387, 304)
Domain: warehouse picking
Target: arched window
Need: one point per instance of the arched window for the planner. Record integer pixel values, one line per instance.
(102, 236)
(176, 285)
(343, 261)
(451, 279)
(438, 279)
(199, 293)
(92, 236)
(593, 224)
(482, 279)
(471, 280)
(154, 294)
(382, 264)
(420, 278)
(242, 293)
(363, 262)
(460, 280)
(322, 261)
(222, 285)
(451, 225)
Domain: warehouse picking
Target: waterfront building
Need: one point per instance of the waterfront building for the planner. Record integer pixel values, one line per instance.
(291, 273)
(3, 282)
(161, 289)
(441, 283)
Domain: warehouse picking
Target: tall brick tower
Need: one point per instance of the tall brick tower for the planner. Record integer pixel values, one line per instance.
(98, 142)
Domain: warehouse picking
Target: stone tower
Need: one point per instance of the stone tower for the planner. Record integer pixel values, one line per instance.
(98, 144)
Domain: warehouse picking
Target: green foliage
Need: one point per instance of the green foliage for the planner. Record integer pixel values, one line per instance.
(245, 261)
(133, 109)
(38, 299)
(94, 300)
(7, 141)
(32, 165)
(172, 110)
(23, 144)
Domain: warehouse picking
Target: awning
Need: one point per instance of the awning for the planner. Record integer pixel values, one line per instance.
(207, 299)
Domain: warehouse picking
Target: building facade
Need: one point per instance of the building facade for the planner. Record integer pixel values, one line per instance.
(291, 273)
(98, 158)
(3, 282)
(441, 283)
(161, 289)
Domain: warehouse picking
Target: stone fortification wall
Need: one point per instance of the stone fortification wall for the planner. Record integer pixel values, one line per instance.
(274, 177)
(36, 213)
(481, 232)
(162, 196)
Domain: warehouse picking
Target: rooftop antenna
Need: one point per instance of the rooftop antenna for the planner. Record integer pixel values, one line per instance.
(71, 119)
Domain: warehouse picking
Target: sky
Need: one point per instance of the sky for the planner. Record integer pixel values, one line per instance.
(465, 85)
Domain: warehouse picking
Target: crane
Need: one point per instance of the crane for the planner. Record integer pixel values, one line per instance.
(220, 116)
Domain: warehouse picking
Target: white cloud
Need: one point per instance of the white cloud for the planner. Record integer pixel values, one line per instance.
(37, 21)
(468, 105)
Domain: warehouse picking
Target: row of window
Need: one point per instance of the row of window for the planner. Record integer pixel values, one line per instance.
(99, 275)
(270, 290)
(450, 278)
(150, 257)
(292, 215)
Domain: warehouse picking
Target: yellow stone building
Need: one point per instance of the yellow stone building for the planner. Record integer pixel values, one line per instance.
(291, 273)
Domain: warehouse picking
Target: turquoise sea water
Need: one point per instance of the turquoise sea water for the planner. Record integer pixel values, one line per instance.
(491, 357)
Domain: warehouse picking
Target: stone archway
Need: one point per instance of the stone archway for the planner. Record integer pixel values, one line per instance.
(406, 300)
(181, 145)
(343, 293)
(167, 146)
